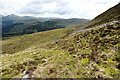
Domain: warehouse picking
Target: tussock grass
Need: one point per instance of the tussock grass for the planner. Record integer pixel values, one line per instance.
(88, 54)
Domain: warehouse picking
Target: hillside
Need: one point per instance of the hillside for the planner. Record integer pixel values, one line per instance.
(9, 22)
(25, 41)
(11, 19)
(54, 24)
(70, 22)
(89, 53)
(17, 25)
(112, 14)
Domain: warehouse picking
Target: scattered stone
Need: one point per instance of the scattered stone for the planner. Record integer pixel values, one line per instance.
(25, 77)
(34, 53)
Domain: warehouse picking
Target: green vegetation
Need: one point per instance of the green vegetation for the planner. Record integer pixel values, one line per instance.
(15, 25)
(90, 54)
(85, 61)
(57, 54)
(16, 44)
(96, 47)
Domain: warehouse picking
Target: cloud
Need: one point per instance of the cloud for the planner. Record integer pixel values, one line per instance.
(56, 8)
(41, 7)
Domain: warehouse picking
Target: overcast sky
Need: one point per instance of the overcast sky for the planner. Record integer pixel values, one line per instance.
(56, 8)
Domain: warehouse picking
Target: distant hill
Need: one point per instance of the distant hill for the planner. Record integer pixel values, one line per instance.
(89, 54)
(70, 22)
(11, 19)
(54, 24)
(16, 25)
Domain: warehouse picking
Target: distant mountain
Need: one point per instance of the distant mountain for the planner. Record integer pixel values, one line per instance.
(92, 53)
(54, 24)
(16, 25)
(49, 18)
(11, 19)
(70, 22)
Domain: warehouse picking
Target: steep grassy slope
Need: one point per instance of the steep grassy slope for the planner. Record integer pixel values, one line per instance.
(19, 50)
(90, 54)
(96, 52)
(20, 43)
(56, 54)
(111, 14)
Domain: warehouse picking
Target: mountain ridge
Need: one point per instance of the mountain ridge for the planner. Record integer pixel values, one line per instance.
(92, 53)
(29, 24)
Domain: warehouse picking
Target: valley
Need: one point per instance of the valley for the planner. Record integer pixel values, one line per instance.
(14, 25)
(86, 50)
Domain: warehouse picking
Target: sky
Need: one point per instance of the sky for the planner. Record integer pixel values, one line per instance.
(87, 9)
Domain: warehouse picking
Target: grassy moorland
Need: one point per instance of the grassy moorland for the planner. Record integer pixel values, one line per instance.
(90, 54)
(94, 53)
(19, 43)
(56, 54)
(16, 49)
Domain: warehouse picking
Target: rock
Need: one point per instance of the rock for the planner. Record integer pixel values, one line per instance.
(34, 53)
(25, 76)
